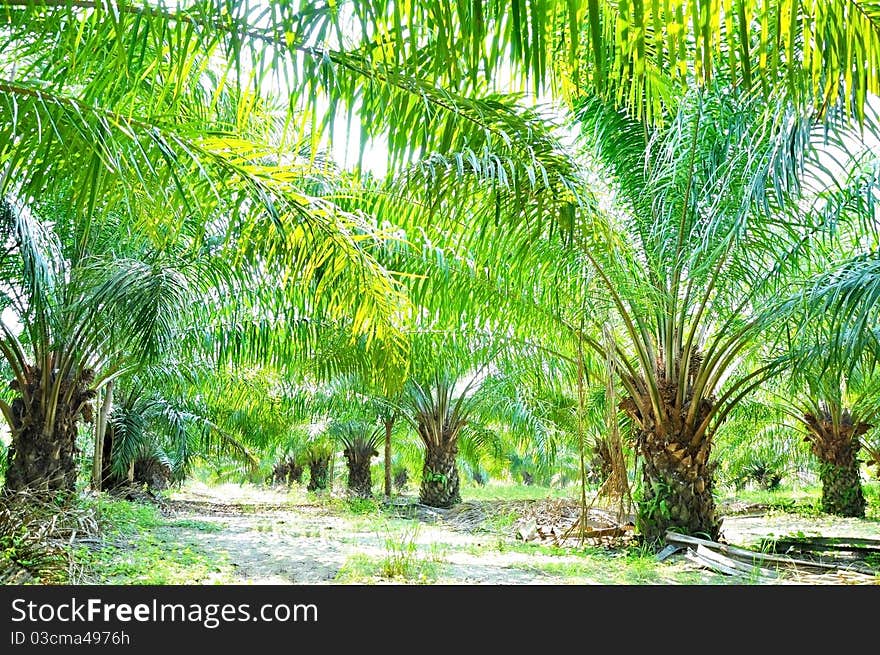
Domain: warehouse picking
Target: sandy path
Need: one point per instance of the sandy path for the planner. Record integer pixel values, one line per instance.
(270, 541)
(269, 537)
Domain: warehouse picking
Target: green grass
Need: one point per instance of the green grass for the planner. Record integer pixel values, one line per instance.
(872, 496)
(120, 517)
(627, 566)
(403, 560)
(139, 547)
(191, 524)
(364, 569)
(803, 501)
(502, 491)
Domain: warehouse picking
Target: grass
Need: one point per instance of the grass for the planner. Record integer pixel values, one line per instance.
(507, 491)
(139, 546)
(803, 501)
(192, 524)
(403, 560)
(628, 566)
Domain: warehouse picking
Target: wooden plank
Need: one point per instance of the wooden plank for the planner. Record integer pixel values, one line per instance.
(827, 543)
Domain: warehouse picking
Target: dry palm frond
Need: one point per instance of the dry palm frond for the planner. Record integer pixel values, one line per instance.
(36, 530)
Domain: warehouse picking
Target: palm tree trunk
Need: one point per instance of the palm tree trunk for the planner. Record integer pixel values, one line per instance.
(319, 473)
(287, 471)
(109, 479)
(837, 447)
(360, 482)
(677, 476)
(100, 431)
(440, 483)
(41, 459)
(842, 489)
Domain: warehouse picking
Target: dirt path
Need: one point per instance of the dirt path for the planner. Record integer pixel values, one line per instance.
(265, 536)
(269, 540)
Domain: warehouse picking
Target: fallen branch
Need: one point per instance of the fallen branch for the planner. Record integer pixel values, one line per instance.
(743, 569)
(816, 544)
(733, 551)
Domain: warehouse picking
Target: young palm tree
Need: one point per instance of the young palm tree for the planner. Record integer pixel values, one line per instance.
(318, 454)
(360, 441)
(439, 411)
(837, 406)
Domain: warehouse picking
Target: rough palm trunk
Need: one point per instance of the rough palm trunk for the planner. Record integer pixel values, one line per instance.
(677, 476)
(41, 459)
(319, 473)
(287, 471)
(440, 483)
(360, 481)
(837, 448)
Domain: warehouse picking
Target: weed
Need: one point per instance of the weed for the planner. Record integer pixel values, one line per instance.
(357, 505)
(401, 552)
(201, 526)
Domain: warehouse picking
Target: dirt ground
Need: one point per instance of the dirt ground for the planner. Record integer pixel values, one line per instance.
(266, 537)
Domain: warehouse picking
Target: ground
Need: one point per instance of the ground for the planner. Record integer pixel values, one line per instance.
(233, 534)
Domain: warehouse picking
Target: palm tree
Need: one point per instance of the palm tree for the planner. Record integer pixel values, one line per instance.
(439, 411)
(77, 317)
(318, 454)
(837, 406)
(360, 441)
(155, 434)
(167, 141)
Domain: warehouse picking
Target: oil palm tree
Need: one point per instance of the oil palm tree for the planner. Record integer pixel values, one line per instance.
(836, 406)
(439, 411)
(76, 318)
(360, 443)
(152, 128)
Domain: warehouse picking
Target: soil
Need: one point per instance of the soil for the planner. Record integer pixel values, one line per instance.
(267, 538)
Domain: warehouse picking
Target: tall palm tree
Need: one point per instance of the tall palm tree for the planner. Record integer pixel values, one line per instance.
(76, 318)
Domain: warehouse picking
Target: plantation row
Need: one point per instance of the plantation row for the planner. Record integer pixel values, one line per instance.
(547, 240)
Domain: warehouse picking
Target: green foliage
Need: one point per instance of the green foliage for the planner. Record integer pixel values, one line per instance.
(401, 560)
(36, 530)
(357, 505)
(139, 546)
(150, 560)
